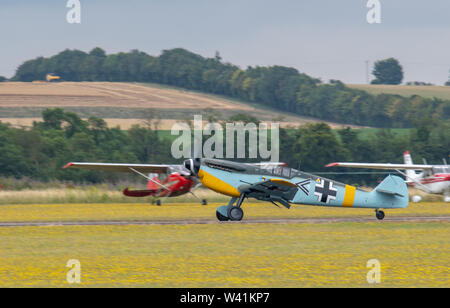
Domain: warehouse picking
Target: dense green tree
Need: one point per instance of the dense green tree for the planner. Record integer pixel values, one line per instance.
(53, 118)
(315, 146)
(92, 67)
(388, 71)
(41, 151)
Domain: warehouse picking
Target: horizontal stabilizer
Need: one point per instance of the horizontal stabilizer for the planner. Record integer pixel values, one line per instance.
(389, 192)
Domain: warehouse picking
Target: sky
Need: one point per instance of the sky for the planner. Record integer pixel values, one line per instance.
(326, 39)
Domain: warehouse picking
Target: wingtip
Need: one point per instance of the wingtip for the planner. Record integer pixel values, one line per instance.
(332, 165)
(406, 153)
(68, 165)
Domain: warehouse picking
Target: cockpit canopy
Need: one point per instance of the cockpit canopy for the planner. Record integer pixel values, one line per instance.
(281, 171)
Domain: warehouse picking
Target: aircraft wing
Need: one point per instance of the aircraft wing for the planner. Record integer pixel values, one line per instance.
(273, 190)
(382, 166)
(144, 168)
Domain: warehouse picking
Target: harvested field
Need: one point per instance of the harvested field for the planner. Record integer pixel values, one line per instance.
(441, 92)
(88, 94)
(22, 103)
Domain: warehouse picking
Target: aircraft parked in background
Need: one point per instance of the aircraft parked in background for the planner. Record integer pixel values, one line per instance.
(432, 179)
(283, 185)
(164, 181)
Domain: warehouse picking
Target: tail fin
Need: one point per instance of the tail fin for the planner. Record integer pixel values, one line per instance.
(408, 161)
(391, 193)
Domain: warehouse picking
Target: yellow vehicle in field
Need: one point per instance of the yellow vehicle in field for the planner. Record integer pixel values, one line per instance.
(52, 77)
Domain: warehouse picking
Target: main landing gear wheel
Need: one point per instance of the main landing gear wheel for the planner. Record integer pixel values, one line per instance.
(235, 213)
(380, 215)
(158, 202)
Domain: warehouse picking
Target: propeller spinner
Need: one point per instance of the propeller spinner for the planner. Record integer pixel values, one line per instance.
(193, 165)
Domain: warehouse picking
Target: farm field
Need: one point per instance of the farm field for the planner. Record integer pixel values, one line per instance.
(125, 104)
(441, 92)
(412, 254)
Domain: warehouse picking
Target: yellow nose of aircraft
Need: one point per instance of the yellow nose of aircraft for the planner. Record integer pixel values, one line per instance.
(213, 183)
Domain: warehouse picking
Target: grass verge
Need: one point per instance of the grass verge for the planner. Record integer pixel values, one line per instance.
(292, 255)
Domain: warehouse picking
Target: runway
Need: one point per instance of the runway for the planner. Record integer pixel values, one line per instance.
(213, 221)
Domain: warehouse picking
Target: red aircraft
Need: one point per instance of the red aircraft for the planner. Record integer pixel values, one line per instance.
(164, 181)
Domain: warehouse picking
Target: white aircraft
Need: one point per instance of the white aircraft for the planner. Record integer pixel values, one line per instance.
(432, 179)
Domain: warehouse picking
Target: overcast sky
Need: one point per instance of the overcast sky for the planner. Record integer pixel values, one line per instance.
(328, 39)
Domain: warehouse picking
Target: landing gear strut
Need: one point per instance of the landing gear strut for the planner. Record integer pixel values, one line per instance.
(379, 214)
(235, 213)
(231, 212)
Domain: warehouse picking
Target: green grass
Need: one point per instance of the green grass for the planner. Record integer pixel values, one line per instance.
(110, 112)
(292, 255)
(441, 92)
(177, 211)
(221, 255)
(92, 194)
(368, 133)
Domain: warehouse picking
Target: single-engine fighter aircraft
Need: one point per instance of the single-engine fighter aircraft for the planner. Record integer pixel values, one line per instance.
(164, 181)
(433, 179)
(286, 186)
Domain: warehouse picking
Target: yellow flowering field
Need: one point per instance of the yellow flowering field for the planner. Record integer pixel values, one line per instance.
(76, 212)
(228, 255)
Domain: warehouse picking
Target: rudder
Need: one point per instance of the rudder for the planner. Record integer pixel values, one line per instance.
(391, 193)
(408, 161)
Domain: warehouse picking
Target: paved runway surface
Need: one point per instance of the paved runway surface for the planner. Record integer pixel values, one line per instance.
(208, 222)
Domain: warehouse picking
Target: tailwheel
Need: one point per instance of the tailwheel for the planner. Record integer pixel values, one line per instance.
(379, 214)
(204, 202)
(235, 213)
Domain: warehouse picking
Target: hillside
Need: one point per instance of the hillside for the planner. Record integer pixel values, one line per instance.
(125, 104)
(270, 90)
(440, 92)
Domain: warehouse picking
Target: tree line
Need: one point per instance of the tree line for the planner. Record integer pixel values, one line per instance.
(40, 152)
(277, 87)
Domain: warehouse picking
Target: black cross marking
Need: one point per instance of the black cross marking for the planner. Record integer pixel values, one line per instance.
(302, 185)
(325, 192)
